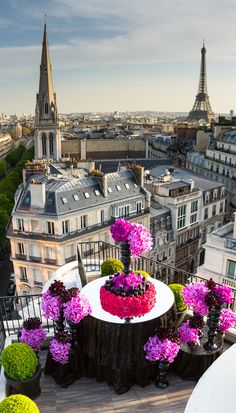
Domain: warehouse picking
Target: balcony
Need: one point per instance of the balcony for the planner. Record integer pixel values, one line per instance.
(50, 261)
(38, 283)
(34, 259)
(24, 280)
(21, 257)
(230, 243)
(70, 259)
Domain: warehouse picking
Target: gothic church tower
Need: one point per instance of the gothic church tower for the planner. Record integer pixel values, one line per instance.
(47, 140)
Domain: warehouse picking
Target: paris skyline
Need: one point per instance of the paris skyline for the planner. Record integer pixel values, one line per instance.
(136, 55)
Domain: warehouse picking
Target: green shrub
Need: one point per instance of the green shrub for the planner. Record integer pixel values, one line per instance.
(143, 273)
(179, 301)
(18, 404)
(19, 361)
(15, 156)
(111, 266)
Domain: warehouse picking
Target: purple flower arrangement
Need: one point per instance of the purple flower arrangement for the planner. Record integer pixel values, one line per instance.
(203, 296)
(33, 333)
(60, 347)
(52, 300)
(164, 346)
(189, 334)
(77, 308)
(126, 283)
(137, 236)
(227, 320)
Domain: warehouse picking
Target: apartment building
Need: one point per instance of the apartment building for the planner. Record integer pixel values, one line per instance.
(5, 144)
(55, 210)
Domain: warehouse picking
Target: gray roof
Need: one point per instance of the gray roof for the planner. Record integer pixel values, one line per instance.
(229, 137)
(65, 195)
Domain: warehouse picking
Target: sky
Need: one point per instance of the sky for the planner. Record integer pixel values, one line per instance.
(118, 55)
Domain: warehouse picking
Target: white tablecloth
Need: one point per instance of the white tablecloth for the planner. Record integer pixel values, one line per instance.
(164, 301)
(215, 391)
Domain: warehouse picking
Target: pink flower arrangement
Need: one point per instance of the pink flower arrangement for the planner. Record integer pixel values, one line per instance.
(224, 293)
(137, 236)
(157, 349)
(194, 296)
(60, 347)
(227, 320)
(120, 230)
(140, 240)
(127, 307)
(127, 281)
(33, 333)
(51, 305)
(77, 308)
(188, 334)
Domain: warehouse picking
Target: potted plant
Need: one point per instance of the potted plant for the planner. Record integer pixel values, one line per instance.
(22, 369)
(181, 308)
(111, 266)
(18, 403)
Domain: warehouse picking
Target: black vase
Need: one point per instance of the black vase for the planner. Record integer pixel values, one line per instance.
(74, 341)
(162, 381)
(29, 387)
(213, 323)
(60, 326)
(125, 257)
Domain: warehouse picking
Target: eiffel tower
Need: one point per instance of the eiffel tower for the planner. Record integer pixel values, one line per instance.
(202, 108)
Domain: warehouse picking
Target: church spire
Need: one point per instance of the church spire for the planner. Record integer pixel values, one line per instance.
(47, 136)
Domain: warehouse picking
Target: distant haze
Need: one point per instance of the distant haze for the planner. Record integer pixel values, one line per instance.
(121, 55)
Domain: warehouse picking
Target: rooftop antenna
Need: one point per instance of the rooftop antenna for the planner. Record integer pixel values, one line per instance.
(45, 18)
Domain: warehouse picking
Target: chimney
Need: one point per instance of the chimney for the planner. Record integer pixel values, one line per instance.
(102, 179)
(38, 194)
(138, 172)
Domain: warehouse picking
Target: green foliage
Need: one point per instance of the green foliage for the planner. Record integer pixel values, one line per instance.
(18, 404)
(179, 301)
(111, 266)
(19, 361)
(28, 154)
(143, 273)
(15, 156)
(4, 217)
(5, 204)
(3, 169)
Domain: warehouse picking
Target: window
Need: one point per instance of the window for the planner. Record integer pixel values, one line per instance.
(109, 190)
(44, 144)
(194, 206)
(64, 200)
(231, 268)
(76, 197)
(102, 216)
(96, 192)
(46, 108)
(65, 226)
(123, 211)
(206, 213)
(127, 186)
(21, 248)
(135, 185)
(69, 253)
(215, 193)
(86, 195)
(51, 144)
(37, 276)
(221, 207)
(23, 273)
(181, 217)
(193, 218)
(214, 210)
(83, 221)
(51, 229)
(35, 226)
(20, 224)
(138, 207)
(207, 197)
(118, 187)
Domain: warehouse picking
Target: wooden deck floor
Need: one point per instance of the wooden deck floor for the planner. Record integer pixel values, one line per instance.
(89, 396)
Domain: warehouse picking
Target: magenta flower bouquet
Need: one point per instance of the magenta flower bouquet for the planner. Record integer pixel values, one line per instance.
(188, 334)
(194, 296)
(52, 300)
(77, 308)
(227, 320)
(33, 333)
(60, 347)
(165, 346)
(137, 236)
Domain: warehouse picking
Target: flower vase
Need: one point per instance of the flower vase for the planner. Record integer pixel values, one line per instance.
(125, 257)
(213, 322)
(74, 341)
(162, 381)
(60, 326)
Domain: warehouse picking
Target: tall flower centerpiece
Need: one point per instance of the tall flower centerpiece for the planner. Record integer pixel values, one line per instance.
(52, 303)
(33, 333)
(162, 347)
(129, 295)
(207, 299)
